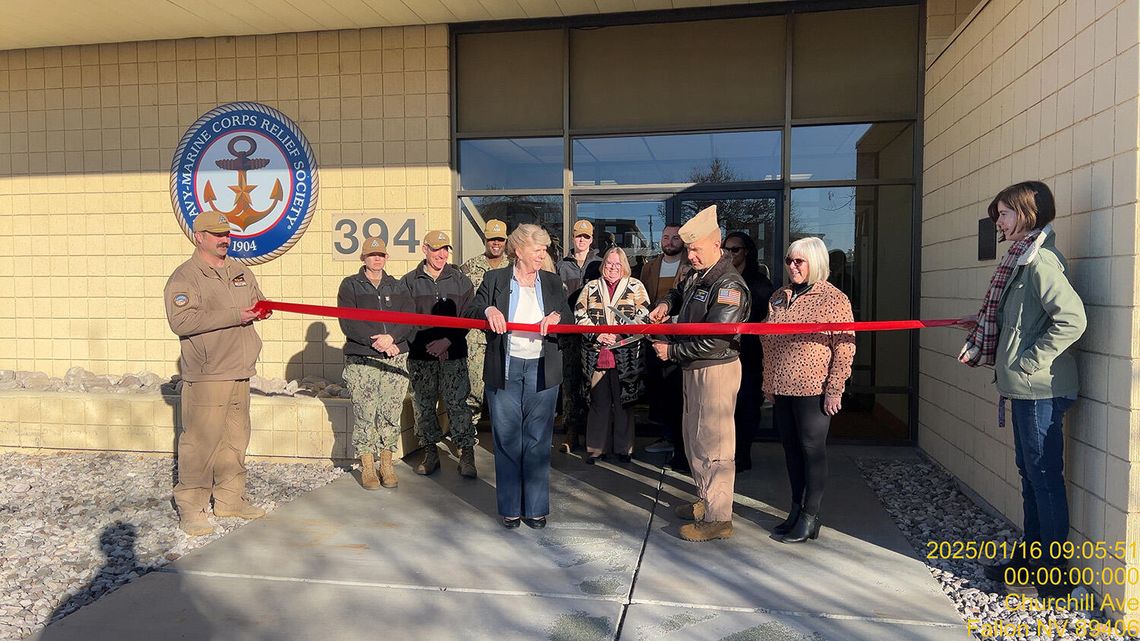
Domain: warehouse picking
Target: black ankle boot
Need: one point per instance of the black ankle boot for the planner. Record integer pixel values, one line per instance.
(790, 522)
(807, 527)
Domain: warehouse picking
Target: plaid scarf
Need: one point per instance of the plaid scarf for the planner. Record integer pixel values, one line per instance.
(981, 344)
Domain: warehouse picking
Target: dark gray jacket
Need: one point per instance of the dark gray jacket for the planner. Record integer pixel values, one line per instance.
(574, 276)
(390, 296)
(446, 296)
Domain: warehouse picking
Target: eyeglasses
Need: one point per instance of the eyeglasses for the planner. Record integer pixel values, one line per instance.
(734, 250)
(797, 261)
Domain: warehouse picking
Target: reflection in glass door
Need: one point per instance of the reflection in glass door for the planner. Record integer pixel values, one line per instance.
(632, 223)
(755, 214)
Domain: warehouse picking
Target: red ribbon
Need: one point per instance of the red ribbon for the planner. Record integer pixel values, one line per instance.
(673, 329)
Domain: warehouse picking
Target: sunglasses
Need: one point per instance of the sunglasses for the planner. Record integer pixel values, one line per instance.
(798, 261)
(734, 250)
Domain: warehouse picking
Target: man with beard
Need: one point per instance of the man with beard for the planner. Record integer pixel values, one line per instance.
(663, 378)
(493, 257)
(209, 306)
(713, 292)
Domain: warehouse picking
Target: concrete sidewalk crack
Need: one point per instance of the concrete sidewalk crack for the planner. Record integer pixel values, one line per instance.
(641, 554)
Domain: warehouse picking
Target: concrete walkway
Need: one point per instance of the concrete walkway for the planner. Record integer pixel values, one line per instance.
(430, 561)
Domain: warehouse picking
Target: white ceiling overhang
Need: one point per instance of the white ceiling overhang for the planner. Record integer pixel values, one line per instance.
(38, 23)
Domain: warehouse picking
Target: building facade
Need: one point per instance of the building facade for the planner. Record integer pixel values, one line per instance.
(883, 129)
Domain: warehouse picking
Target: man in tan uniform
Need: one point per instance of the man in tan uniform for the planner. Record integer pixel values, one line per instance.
(209, 305)
(712, 292)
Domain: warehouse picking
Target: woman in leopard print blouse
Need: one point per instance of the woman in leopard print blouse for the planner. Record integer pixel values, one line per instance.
(804, 376)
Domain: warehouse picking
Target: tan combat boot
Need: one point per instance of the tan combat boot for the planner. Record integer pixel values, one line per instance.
(690, 511)
(706, 531)
(467, 463)
(387, 471)
(195, 523)
(430, 462)
(243, 510)
(368, 478)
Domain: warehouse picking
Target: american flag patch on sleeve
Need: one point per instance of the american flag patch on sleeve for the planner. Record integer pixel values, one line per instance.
(728, 296)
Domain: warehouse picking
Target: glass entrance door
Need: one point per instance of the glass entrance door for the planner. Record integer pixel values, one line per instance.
(754, 213)
(633, 223)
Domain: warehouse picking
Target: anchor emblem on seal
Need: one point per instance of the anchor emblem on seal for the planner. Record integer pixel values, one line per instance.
(243, 213)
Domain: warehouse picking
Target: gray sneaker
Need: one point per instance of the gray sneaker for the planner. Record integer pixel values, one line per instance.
(658, 446)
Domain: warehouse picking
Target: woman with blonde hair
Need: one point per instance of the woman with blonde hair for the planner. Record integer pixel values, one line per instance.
(612, 374)
(804, 377)
(522, 372)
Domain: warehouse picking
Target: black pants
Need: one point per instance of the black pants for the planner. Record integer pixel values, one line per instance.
(748, 404)
(609, 424)
(803, 431)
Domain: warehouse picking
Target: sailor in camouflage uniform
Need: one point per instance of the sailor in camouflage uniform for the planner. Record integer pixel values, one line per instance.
(494, 257)
(376, 363)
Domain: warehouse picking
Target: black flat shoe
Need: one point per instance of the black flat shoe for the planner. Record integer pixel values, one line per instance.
(625, 458)
(511, 522)
(536, 523)
(789, 523)
(590, 460)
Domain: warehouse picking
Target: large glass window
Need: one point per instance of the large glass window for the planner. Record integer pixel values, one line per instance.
(853, 152)
(511, 163)
(545, 211)
(753, 214)
(723, 157)
(632, 224)
(867, 231)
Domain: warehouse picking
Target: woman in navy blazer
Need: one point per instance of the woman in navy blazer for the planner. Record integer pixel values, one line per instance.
(522, 372)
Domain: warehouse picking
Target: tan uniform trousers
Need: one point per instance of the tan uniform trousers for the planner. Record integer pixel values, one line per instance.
(710, 434)
(211, 448)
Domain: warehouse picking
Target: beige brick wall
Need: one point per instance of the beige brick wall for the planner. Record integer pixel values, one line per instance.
(942, 18)
(87, 134)
(1039, 90)
(282, 427)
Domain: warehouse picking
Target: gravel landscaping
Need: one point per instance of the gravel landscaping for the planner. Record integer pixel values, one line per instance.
(926, 504)
(74, 527)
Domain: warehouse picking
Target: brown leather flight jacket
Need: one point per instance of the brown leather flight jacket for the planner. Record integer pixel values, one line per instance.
(203, 307)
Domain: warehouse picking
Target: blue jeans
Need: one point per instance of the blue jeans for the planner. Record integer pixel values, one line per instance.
(522, 422)
(1039, 446)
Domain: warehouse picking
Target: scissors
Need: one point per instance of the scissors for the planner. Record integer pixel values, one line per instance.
(624, 319)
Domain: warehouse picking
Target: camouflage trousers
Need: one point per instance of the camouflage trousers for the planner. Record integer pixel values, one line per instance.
(431, 381)
(378, 389)
(475, 353)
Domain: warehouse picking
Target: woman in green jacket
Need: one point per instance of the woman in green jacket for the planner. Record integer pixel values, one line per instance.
(1029, 320)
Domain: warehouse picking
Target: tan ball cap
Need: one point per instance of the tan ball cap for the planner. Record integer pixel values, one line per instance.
(584, 227)
(495, 229)
(373, 245)
(216, 223)
(437, 239)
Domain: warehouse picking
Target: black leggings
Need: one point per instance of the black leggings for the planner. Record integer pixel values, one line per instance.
(803, 431)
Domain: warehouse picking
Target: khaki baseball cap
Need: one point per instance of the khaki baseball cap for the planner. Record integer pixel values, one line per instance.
(584, 227)
(211, 222)
(437, 239)
(495, 229)
(373, 245)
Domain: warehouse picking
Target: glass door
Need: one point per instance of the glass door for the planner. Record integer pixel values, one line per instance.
(632, 222)
(754, 213)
